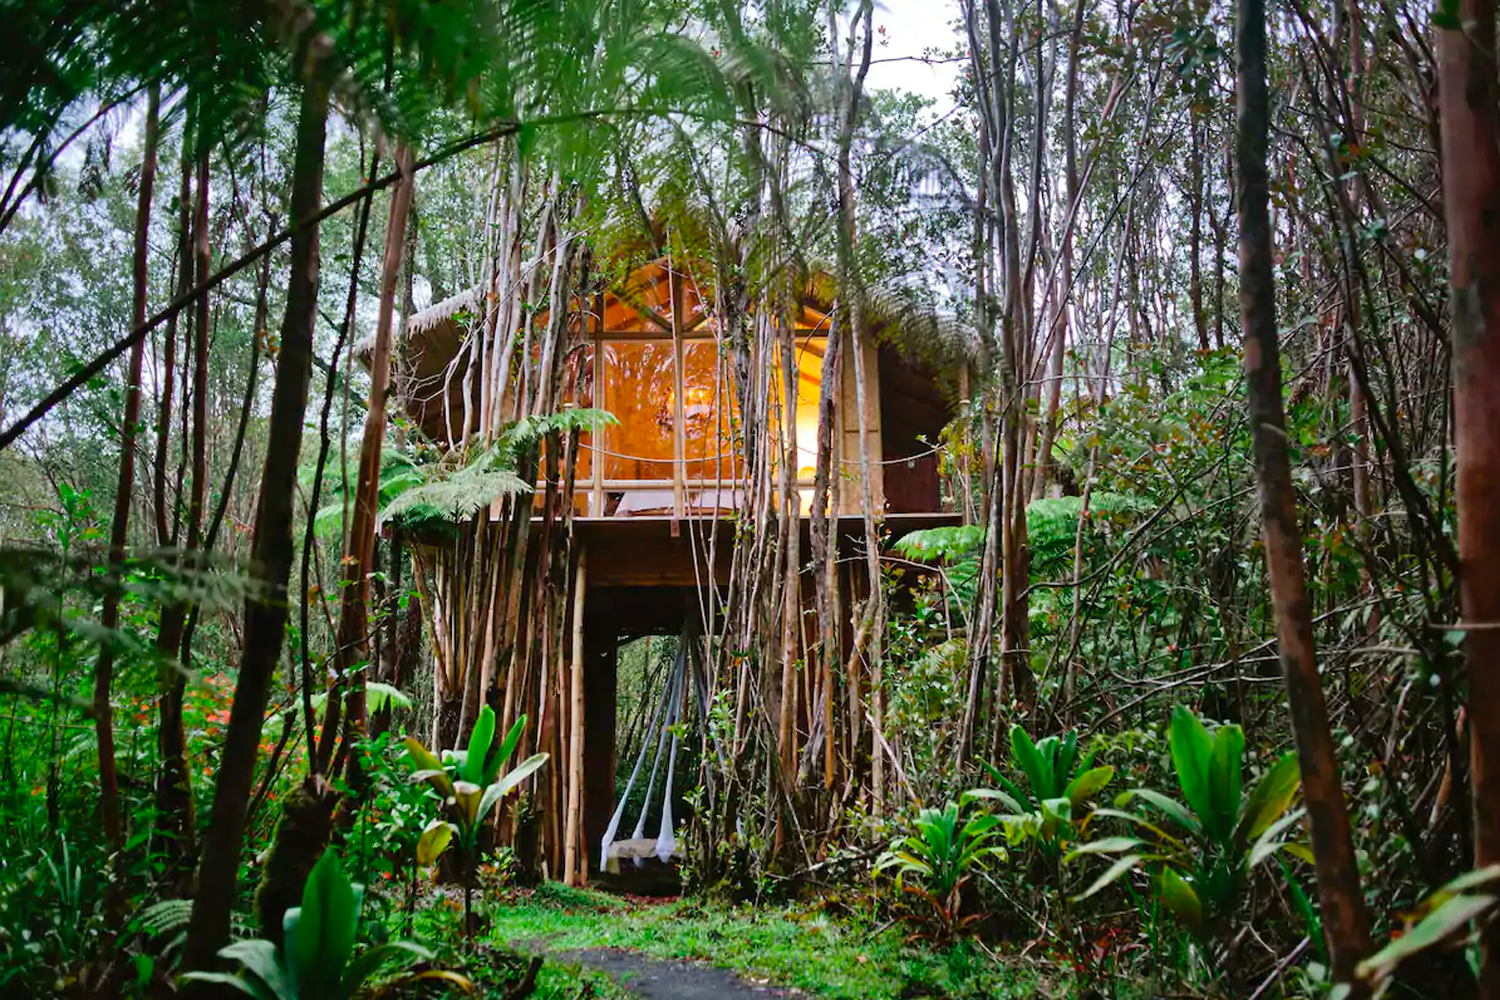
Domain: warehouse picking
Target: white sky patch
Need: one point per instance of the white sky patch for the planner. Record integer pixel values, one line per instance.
(911, 28)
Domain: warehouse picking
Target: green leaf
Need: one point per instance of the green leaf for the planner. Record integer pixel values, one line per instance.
(1105, 845)
(1224, 780)
(1192, 755)
(481, 738)
(1062, 765)
(1088, 784)
(465, 804)
(366, 965)
(1025, 754)
(1181, 899)
(240, 983)
(428, 768)
(378, 697)
(1113, 874)
(992, 771)
(1300, 851)
(1432, 930)
(1270, 841)
(1142, 822)
(433, 841)
(261, 959)
(501, 788)
(507, 748)
(1476, 879)
(1006, 801)
(325, 933)
(1269, 799)
(1168, 807)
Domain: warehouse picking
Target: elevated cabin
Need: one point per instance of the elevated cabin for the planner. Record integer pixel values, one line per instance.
(655, 496)
(652, 357)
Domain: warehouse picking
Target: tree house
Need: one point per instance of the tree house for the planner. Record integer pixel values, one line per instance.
(656, 497)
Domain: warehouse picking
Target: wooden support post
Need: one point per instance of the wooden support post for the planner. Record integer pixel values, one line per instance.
(598, 734)
(679, 406)
(597, 443)
(574, 861)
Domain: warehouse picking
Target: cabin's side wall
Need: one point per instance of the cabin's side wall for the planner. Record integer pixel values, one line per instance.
(847, 461)
(913, 415)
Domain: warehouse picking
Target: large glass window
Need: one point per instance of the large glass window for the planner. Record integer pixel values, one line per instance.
(711, 415)
(679, 421)
(640, 390)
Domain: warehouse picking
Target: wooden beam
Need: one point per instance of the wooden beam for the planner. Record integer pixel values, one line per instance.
(575, 873)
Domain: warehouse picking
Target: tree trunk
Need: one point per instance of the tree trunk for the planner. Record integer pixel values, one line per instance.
(1195, 239)
(354, 619)
(1471, 202)
(1345, 922)
(272, 550)
(104, 667)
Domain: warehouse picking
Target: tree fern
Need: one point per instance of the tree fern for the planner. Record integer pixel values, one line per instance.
(378, 698)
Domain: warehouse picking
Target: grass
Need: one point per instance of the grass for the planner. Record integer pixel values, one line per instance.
(796, 946)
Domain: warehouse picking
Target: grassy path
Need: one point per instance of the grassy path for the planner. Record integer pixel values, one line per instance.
(801, 948)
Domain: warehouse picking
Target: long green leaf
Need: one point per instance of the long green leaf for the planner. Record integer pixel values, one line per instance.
(261, 959)
(1431, 930)
(508, 747)
(1477, 879)
(1030, 762)
(1142, 822)
(481, 739)
(1181, 899)
(366, 965)
(1168, 807)
(501, 788)
(426, 767)
(1269, 799)
(1225, 781)
(240, 983)
(325, 934)
(1112, 874)
(434, 840)
(1067, 753)
(1104, 845)
(1006, 801)
(1270, 841)
(1192, 753)
(1088, 784)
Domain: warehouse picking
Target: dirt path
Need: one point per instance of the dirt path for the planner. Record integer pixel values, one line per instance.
(670, 979)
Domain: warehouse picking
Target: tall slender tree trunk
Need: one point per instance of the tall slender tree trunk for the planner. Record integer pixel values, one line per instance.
(1345, 921)
(104, 667)
(1471, 202)
(1195, 240)
(272, 549)
(359, 559)
(174, 789)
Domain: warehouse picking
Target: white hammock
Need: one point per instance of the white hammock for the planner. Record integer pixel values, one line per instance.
(666, 841)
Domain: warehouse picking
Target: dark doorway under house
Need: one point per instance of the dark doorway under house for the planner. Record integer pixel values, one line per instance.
(646, 577)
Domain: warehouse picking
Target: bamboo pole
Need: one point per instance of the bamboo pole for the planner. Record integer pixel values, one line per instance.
(574, 861)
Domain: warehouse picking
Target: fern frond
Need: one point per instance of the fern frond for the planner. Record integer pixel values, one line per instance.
(165, 916)
(378, 698)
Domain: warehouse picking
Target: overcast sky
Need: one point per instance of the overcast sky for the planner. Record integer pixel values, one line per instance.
(911, 27)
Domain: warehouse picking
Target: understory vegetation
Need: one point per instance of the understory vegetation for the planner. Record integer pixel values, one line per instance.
(1082, 476)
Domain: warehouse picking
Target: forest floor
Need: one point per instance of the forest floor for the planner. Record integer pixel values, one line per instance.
(606, 946)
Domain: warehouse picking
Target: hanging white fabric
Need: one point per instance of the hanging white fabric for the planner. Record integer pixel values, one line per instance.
(668, 706)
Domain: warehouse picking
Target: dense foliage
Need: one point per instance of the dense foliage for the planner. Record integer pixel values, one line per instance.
(1189, 700)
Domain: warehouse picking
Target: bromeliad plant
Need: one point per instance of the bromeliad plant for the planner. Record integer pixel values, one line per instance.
(1058, 784)
(939, 857)
(316, 960)
(1199, 869)
(470, 785)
